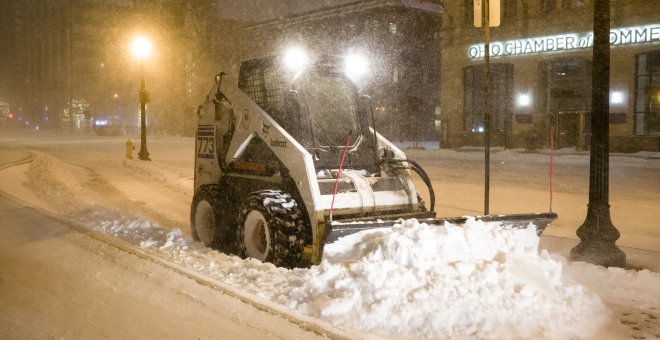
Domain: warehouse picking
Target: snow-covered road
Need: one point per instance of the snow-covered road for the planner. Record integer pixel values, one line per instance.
(86, 180)
(60, 281)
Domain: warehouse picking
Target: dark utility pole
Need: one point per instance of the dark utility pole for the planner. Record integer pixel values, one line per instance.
(597, 234)
(143, 154)
(69, 62)
(485, 21)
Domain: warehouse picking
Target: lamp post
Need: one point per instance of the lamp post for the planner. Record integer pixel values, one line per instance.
(597, 233)
(141, 48)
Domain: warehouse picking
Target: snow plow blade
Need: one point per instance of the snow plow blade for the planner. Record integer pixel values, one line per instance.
(540, 220)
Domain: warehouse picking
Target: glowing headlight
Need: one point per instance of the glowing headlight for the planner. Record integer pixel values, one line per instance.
(295, 59)
(355, 66)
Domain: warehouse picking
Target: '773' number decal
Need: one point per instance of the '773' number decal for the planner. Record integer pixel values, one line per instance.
(205, 142)
(205, 147)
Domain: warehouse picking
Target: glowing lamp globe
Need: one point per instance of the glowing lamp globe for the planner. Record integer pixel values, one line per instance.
(141, 47)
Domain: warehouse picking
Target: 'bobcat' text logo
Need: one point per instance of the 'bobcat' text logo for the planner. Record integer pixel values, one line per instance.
(277, 143)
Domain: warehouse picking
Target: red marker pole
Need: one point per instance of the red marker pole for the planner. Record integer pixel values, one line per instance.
(552, 156)
(341, 165)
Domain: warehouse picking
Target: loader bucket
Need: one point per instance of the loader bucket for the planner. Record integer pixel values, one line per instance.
(540, 220)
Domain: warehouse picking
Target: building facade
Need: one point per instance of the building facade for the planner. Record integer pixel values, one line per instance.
(540, 69)
(402, 41)
(55, 56)
(66, 63)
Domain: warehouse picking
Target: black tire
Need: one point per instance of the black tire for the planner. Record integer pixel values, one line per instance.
(205, 213)
(271, 228)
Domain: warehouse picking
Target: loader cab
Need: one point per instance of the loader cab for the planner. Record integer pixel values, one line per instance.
(318, 105)
(329, 103)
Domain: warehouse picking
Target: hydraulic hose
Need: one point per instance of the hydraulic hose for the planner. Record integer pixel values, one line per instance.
(422, 174)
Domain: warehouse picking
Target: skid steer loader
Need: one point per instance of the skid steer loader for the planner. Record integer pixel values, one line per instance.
(290, 160)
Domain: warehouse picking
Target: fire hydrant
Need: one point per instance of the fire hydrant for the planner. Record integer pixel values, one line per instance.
(129, 149)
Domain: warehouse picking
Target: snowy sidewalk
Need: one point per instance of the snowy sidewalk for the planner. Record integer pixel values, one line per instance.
(635, 258)
(560, 152)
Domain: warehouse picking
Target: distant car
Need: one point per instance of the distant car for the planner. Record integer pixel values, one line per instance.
(108, 130)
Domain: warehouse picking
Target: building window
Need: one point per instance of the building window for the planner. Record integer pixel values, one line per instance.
(468, 14)
(375, 25)
(564, 86)
(392, 27)
(509, 11)
(501, 89)
(564, 94)
(647, 94)
(572, 4)
(548, 6)
(352, 29)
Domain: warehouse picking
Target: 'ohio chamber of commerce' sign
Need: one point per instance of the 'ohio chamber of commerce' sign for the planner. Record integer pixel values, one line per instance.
(567, 42)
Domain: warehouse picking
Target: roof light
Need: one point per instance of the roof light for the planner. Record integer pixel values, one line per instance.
(355, 66)
(295, 59)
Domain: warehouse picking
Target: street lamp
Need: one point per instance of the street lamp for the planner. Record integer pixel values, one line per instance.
(141, 48)
(597, 234)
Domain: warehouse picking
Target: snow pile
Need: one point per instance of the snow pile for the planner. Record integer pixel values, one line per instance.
(56, 183)
(480, 280)
(123, 226)
(161, 173)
